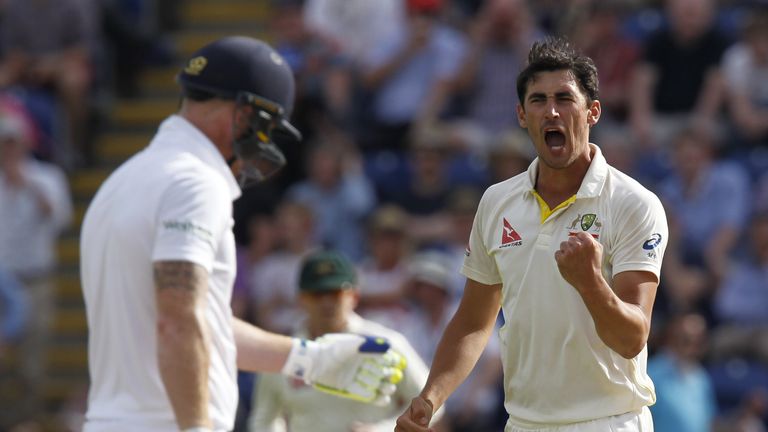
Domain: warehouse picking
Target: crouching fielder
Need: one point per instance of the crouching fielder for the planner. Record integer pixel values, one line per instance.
(158, 262)
(571, 251)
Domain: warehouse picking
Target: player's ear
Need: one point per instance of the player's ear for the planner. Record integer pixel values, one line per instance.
(593, 115)
(521, 116)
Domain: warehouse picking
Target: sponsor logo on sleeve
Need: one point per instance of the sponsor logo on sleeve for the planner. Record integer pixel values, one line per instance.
(651, 244)
(189, 227)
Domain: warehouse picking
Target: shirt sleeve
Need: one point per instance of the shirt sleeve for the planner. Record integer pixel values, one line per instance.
(479, 265)
(641, 236)
(194, 214)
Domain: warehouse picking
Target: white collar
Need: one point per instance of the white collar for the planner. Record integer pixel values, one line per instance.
(593, 181)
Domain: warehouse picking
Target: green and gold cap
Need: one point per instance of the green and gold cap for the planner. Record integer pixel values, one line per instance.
(326, 271)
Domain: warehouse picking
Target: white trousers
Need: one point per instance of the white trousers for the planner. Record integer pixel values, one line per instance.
(635, 421)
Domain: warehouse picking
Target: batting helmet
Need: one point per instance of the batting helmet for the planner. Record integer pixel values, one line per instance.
(257, 78)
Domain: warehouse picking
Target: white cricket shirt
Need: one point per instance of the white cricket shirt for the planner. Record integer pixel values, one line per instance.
(278, 397)
(171, 201)
(557, 370)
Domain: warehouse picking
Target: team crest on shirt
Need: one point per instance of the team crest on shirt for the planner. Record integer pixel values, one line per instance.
(588, 222)
(509, 237)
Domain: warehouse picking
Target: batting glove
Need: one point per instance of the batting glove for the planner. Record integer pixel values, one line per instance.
(357, 367)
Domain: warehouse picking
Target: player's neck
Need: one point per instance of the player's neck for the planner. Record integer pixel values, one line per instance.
(556, 185)
(210, 120)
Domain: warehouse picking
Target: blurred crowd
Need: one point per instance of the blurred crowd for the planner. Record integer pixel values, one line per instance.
(408, 112)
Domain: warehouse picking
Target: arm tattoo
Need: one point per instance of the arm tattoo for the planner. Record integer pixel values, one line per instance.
(182, 275)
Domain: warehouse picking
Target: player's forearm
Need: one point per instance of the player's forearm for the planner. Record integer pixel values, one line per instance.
(622, 326)
(456, 355)
(182, 339)
(259, 350)
(183, 360)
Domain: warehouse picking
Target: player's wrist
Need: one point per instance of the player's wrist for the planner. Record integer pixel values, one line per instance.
(431, 399)
(301, 359)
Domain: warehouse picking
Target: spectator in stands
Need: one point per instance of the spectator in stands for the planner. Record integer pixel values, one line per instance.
(322, 71)
(328, 291)
(500, 35)
(510, 155)
(56, 59)
(423, 189)
(383, 271)
(262, 240)
(685, 400)
(339, 194)
(679, 73)
(741, 301)
(599, 35)
(622, 152)
(428, 289)
(35, 206)
(461, 209)
(135, 35)
(745, 67)
(274, 278)
(357, 26)
(13, 106)
(410, 75)
(748, 416)
(707, 203)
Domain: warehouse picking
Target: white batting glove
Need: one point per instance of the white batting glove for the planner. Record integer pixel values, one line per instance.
(357, 367)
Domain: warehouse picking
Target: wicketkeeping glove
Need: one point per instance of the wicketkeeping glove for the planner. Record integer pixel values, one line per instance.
(357, 367)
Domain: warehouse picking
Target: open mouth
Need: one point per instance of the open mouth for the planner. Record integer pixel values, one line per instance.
(554, 139)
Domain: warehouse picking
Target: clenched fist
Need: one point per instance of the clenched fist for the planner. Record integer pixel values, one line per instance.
(416, 418)
(579, 260)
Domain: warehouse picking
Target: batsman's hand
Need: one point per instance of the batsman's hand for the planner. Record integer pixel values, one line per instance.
(357, 367)
(417, 417)
(579, 260)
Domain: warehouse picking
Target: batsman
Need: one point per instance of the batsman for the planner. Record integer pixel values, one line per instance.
(158, 262)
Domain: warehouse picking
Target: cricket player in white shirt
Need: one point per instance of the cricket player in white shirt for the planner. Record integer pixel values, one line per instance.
(158, 262)
(328, 293)
(571, 251)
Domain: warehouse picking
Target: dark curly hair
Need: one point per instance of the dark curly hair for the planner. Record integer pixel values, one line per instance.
(553, 54)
